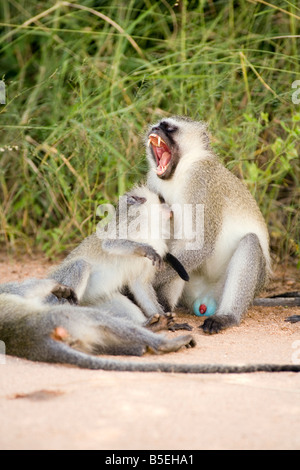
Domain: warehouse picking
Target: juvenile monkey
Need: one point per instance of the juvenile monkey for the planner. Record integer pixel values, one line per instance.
(99, 270)
(230, 261)
(35, 325)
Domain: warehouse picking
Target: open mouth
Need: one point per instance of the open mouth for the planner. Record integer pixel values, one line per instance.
(162, 153)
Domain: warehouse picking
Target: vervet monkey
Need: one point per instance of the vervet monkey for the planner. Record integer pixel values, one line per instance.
(100, 269)
(230, 261)
(36, 325)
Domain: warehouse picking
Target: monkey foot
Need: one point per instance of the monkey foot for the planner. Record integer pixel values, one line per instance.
(160, 322)
(293, 318)
(176, 343)
(180, 326)
(215, 324)
(173, 345)
(64, 292)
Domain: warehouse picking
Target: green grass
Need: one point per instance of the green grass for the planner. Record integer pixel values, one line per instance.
(81, 89)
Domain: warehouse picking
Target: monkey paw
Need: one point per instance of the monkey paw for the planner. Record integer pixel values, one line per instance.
(216, 323)
(160, 322)
(293, 319)
(151, 254)
(180, 326)
(64, 292)
(172, 345)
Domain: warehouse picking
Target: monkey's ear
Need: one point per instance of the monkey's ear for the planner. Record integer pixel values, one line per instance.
(131, 200)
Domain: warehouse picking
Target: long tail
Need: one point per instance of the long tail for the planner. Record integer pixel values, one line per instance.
(61, 353)
(287, 299)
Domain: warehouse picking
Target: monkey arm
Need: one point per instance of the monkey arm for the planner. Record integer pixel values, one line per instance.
(124, 247)
(75, 274)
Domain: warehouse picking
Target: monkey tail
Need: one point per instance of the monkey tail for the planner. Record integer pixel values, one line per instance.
(177, 266)
(287, 299)
(61, 353)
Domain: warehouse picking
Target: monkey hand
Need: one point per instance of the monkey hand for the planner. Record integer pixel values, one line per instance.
(161, 322)
(64, 292)
(151, 254)
(216, 323)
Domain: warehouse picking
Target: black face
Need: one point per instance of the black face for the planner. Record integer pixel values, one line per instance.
(164, 150)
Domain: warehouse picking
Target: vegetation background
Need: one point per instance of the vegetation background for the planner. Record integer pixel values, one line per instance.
(83, 81)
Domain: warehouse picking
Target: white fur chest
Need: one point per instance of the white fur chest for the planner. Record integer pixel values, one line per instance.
(174, 190)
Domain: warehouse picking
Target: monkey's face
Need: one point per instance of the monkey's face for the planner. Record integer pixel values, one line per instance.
(173, 139)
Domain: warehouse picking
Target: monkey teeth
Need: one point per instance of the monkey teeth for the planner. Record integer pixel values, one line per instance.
(161, 169)
(155, 140)
(162, 153)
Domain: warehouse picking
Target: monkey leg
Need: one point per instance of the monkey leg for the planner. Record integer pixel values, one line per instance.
(169, 293)
(121, 307)
(244, 278)
(145, 296)
(96, 331)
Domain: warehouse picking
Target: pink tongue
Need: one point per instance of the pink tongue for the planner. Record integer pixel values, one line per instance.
(165, 158)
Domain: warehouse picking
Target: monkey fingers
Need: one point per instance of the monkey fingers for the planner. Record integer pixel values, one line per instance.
(151, 254)
(216, 323)
(161, 322)
(180, 326)
(172, 345)
(64, 292)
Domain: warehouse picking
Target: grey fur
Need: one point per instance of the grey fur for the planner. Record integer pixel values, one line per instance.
(32, 328)
(29, 327)
(233, 263)
(99, 270)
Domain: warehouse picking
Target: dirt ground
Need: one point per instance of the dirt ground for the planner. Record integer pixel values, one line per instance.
(45, 406)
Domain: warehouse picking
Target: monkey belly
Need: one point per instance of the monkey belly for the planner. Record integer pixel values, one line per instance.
(108, 278)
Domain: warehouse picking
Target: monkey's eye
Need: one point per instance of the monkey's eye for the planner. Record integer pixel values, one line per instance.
(168, 128)
(161, 199)
(171, 129)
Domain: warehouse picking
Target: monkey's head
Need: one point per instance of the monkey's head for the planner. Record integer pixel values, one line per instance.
(147, 216)
(174, 139)
(153, 203)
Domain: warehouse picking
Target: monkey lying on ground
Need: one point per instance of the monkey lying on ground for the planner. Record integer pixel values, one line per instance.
(99, 270)
(36, 326)
(230, 261)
